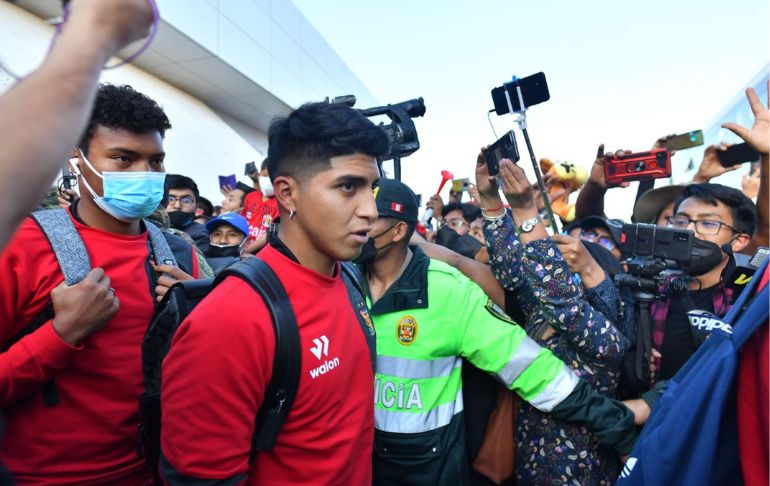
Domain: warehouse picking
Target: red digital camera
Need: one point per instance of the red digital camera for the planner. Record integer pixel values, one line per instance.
(655, 164)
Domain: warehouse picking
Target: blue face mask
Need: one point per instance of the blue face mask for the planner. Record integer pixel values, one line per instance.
(128, 196)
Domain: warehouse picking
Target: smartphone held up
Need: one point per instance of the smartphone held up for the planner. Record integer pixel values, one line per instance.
(504, 148)
(655, 164)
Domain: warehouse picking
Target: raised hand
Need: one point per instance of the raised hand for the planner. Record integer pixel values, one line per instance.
(710, 166)
(759, 134)
(516, 188)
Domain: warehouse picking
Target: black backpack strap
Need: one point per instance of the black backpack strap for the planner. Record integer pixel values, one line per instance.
(287, 363)
(354, 282)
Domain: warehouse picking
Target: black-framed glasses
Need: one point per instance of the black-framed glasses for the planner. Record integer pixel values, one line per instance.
(702, 226)
(184, 201)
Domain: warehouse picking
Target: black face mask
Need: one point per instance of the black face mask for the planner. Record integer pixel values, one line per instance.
(220, 251)
(704, 257)
(446, 236)
(180, 220)
(369, 250)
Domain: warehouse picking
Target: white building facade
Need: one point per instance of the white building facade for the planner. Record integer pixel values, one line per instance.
(221, 69)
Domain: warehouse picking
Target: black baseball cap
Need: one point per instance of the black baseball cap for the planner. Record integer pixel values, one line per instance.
(395, 200)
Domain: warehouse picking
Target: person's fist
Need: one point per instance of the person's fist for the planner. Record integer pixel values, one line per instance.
(65, 197)
(169, 275)
(574, 252)
(121, 21)
(436, 204)
(486, 185)
(83, 308)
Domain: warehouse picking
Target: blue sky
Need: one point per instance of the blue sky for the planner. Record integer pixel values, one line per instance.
(619, 72)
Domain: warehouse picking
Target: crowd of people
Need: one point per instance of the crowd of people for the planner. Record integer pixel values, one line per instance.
(479, 349)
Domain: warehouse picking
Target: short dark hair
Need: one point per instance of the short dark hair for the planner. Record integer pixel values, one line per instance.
(205, 206)
(178, 181)
(121, 107)
(302, 144)
(470, 212)
(264, 165)
(743, 211)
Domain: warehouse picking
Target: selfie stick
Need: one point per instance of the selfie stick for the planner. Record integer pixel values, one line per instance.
(522, 121)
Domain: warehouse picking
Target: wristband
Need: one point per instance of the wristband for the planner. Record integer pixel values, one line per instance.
(498, 208)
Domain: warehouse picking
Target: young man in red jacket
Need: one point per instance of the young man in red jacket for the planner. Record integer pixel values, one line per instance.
(91, 348)
(322, 161)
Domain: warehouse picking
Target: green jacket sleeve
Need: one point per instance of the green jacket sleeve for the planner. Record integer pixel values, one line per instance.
(498, 346)
(609, 420)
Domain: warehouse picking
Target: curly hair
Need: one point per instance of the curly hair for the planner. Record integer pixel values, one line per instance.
(122, 107)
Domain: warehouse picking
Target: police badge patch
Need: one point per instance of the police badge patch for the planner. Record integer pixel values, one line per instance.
(365, 314)
(496, 311)
(406, 330)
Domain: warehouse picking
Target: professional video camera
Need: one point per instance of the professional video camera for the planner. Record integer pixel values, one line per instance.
(401, 130)
(656, 259)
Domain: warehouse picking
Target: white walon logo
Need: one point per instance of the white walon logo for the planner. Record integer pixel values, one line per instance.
(321, 347)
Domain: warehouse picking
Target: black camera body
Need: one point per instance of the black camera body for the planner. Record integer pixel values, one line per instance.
(655, 257)
(402, 132)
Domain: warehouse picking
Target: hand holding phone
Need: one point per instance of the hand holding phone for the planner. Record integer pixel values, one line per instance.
(683, 141)
(737, 154)
(619, 168)
(504, 148)
(227, 183)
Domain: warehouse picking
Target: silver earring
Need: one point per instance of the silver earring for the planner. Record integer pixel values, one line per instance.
(291, 214)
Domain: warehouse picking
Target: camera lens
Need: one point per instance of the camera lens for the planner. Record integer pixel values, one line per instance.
(639, 166)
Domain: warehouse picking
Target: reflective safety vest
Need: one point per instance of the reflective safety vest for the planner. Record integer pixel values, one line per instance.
(429, 319)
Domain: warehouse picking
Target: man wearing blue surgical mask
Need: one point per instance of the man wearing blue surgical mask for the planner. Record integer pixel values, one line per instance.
(70, 366)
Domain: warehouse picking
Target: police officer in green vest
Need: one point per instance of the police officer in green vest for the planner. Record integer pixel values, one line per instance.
(428, 316)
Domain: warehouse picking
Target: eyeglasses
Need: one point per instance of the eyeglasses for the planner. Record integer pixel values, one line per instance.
(702, 226)
(184, 201)
(454, 223)
(604, 241)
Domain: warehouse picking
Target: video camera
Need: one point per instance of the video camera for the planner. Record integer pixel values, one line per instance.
(655, 258)
(401, 131)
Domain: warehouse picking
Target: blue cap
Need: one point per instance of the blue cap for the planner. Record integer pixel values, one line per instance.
(233, 219)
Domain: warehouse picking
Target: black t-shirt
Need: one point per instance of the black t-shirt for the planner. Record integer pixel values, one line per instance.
(678, 342)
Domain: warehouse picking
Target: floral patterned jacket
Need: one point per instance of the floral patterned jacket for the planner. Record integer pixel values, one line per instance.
(591, 337)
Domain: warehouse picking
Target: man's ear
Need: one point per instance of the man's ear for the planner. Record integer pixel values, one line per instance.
(740, 242)
(401, 230)
(287, 192)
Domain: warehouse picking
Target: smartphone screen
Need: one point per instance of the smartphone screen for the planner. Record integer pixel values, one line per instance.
(737, 154)
(534, 90)
(250, 168)
(685, 140)
(504, 148)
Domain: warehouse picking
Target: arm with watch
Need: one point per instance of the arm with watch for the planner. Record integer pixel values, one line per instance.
(526, 261)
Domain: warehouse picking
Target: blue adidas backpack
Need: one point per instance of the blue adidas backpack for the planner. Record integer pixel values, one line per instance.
(691, 436)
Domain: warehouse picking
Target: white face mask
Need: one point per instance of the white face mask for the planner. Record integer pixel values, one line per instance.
(266, 186)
